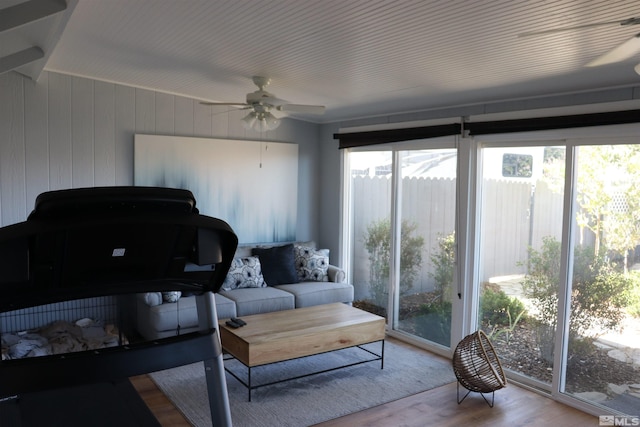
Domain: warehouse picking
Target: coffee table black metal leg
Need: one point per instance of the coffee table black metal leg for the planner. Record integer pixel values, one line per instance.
(382, 356)
(249, 382)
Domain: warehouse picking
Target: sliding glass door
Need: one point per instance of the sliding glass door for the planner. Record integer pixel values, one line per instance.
(402, 210)
(521, 212)
(561, 304)
(551, 255)
(602, 357)
(370, 175)
(427, 205)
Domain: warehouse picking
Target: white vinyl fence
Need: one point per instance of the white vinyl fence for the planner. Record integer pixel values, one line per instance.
(516, 215)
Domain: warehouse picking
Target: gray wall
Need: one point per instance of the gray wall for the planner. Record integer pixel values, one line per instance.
(69, 132)
(330, 192)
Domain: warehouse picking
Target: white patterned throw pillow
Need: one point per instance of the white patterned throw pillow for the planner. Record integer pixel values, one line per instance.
(244, 272)
(311, 264)
(171, 296)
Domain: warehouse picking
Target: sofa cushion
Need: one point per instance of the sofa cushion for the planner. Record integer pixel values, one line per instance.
(167, 317)
(225, 308)
(152, 298)
(308, 294)
(259, 300)
(311, 264)
(245, 272)
(278, 264)
(161, 320)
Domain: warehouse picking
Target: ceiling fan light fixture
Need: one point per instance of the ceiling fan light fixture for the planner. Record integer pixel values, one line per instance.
(271, 121)
(249, 121)
(260, 121)
(637, 68)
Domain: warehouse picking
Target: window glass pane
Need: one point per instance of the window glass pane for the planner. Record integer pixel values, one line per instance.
(370, 174)
(521, 227)
(428, 203)
(603, 355)
(517, 165)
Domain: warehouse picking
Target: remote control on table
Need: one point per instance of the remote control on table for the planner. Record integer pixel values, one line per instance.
(238, 321)
(232, 324)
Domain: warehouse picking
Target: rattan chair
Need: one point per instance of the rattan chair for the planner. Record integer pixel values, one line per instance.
(477, 367)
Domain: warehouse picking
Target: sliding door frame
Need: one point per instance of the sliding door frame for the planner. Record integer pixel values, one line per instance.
(466, 276)
(571, 139)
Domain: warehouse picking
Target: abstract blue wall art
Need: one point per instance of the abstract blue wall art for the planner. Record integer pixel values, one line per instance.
(252, 185)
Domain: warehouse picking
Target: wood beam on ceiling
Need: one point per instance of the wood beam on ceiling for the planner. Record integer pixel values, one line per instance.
(29, 11)
(18, 59)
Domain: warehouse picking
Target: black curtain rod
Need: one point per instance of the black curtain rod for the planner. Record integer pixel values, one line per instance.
(361, 139)
(550, 123)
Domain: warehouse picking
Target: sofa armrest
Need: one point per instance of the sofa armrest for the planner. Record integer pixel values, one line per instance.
(151, 298)
(336, 274)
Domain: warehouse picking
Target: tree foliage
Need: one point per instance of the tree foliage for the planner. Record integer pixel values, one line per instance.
(599, 292)
(609, 196)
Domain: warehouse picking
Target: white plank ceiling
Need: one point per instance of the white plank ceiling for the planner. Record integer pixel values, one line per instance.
(357, 57)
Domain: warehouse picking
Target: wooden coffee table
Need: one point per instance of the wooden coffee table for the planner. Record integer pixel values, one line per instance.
(291, 334)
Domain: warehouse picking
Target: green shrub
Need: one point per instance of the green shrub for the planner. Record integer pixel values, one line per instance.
(599, 295)
(581, 347)
(497, 308)
(378, 243)
(443, 260)
(433, 322)
(633, 294)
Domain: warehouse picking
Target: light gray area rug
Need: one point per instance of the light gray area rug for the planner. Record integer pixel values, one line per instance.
(312, 399)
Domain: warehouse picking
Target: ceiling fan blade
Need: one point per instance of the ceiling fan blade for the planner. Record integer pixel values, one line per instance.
(629, 21)
(624, 51)
(299, 108)
(233, 104)
(272, 100)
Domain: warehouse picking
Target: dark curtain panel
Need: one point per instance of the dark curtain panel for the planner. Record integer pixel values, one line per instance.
(360, 139)
(560, 122)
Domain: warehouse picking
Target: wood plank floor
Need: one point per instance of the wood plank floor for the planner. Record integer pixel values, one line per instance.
(514, 406)
(163, 409)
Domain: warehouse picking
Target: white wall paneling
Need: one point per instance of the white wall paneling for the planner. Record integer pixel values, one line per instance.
(145, 108)
(184, 116)
(12, 150)
(125, 128)
(82, 133)
(36, 98)
(104, 138)
(165, 114)
(59, 129)
(203, 119)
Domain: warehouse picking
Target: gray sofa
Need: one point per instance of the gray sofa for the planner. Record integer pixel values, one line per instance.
(262, 279)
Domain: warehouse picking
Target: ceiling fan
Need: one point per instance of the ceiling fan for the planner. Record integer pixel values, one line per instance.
(262, 104)
(621, 52)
